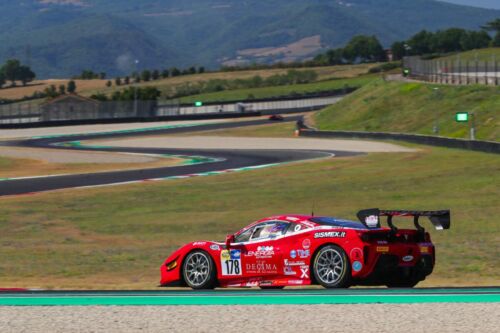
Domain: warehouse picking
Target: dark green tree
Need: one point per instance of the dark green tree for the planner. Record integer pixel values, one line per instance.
(398, 50)
(155, 75)
(62, 89)
(2, 79)
(109, 83)
(174, 71)
(146, 75)
(165, 73)
(102, 75)
(475, 40)
(126, 80)
(364, 49)
(201, 70)
(25, 75)
(51, 91)
(420, 43)
(445, 41)
(71, 88)
(118, 81)
(494, 26)
(192, 70)
(100, 97)
(11, 70)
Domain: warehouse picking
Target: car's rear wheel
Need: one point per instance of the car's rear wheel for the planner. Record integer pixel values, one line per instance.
(331, 267)
(199, 271)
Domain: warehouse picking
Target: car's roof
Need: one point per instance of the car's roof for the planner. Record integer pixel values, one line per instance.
(318, 220)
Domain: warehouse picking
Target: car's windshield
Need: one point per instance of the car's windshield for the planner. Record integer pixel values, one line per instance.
(265, 230)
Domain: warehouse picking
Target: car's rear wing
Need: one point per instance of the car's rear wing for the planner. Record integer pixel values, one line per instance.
(371, 217)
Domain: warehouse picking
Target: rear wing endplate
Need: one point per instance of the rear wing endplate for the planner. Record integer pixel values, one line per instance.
(371, 217)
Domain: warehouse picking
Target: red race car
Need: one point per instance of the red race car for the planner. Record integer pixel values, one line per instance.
(296, 250)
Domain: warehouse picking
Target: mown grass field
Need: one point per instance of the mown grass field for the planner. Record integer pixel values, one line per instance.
(416, 108)
(90, 87)
(117, 237)
(481, 55)
(266, 92)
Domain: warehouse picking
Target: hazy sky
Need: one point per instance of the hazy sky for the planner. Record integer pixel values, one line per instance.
(477, 3)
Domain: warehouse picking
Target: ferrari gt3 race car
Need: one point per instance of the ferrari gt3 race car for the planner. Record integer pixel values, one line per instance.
(297, 250)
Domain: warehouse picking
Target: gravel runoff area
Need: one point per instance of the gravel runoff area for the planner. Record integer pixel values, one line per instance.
(408, 318)
(214, 142)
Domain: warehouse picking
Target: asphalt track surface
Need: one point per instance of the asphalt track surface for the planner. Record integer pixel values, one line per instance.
(206, 160)
(251, 297)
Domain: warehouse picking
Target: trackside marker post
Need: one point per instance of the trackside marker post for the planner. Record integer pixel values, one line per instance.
(463, 117)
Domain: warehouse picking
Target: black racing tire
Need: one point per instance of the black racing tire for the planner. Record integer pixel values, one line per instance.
(199, 270)
(271, 287)
(331, 267)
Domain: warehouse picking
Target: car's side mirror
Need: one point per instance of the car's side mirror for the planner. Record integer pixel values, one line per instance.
(229, 240)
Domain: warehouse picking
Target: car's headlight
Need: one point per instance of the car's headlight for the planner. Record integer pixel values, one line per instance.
(171, 265)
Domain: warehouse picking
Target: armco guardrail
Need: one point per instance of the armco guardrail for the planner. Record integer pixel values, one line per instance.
(484, 146)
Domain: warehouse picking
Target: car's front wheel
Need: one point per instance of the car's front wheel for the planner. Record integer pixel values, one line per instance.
(199, 271)
(331, 267)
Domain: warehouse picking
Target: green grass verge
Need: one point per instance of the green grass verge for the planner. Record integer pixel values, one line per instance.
(117, 237)
(480, 55)
(415, 108)
(267, 92)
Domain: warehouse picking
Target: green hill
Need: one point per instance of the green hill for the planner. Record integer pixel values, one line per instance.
(415, 108)
(61, 39)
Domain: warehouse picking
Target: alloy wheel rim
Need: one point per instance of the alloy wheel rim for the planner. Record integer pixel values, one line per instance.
(330, 266)
(197, 269)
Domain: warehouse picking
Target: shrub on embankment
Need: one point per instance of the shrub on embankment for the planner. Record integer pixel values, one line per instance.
(416, 108)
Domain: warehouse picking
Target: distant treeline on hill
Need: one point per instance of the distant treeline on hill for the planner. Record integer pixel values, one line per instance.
(447, 41)
(14, 71)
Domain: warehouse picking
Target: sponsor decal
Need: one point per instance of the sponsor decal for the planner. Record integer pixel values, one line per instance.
(306, 243)
(304, 253)
(293, 254)
(297, 228)
(262, 252)
(304, 272)
(382, 249)
(294, 263)
(266, 283)
(295, 282)
(261, 267)
(371, 221)
(289, 271)
(407, 258)
(215, 247)
(199, 243)
(357, 266)
(231, 262)
(356, 253)
(330, 234)
(235, 254)
(225, 255)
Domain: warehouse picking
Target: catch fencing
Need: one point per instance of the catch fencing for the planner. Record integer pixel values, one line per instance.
(454, 70)
(108, 111)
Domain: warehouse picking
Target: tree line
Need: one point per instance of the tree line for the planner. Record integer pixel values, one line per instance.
(14, 72)
(447, 41)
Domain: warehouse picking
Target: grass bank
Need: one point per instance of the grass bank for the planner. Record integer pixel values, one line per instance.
(277, 91)
(479, 54)
(117, 237)
(415, 108)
